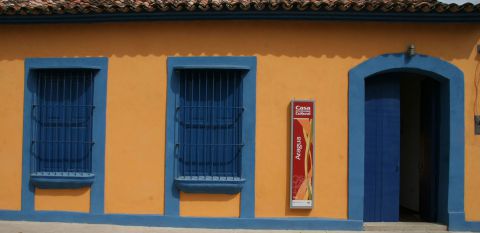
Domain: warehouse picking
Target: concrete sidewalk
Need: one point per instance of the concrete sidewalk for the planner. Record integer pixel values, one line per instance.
(53, 227)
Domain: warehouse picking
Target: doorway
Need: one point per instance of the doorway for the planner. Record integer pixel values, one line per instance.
(402, 144)
(451, 174)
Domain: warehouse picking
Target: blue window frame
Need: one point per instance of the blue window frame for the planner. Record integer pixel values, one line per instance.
(65, 117)
(211, 106)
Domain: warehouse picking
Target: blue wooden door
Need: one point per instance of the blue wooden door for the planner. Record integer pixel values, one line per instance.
(382, 149)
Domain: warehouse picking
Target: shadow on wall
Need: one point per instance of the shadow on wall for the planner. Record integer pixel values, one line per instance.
(277, 38)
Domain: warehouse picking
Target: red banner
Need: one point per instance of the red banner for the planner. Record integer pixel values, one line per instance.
(301, 172)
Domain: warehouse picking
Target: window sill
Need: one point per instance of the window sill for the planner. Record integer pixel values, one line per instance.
(209, 184)
(61, 180)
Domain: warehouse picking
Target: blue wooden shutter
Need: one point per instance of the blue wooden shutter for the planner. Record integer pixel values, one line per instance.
(209, 118)
(62, 121)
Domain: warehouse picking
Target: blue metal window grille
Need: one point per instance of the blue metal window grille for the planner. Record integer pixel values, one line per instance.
(209, 124)
(62, 113)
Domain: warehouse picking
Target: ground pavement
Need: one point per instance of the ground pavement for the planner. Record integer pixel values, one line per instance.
(53, 227)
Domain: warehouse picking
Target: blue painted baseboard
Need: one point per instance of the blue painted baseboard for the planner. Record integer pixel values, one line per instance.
(456, 222)
(473, 226)
(188, 222)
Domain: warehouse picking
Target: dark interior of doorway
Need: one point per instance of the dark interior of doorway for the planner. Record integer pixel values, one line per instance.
(419, 147)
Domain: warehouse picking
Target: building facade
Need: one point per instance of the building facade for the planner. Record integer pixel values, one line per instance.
(165, 113)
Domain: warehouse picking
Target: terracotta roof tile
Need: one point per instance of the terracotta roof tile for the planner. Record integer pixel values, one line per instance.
(48, 7)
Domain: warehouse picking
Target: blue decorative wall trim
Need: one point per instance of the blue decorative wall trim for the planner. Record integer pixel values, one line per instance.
(245, 15)
(453, 82)
(28, 191)
(173, 221)
(98, 149)
(249, 64)
(473, 226)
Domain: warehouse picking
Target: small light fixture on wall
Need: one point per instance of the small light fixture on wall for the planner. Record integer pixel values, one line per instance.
(411, 50)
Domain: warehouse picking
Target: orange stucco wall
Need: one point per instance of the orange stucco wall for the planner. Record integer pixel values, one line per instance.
(295, 60)
(135, 133)
(198, 205)
(11, 126)
(77, 200)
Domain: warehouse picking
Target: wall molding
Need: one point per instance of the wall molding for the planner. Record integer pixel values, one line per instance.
(97, 188)
(247, 63)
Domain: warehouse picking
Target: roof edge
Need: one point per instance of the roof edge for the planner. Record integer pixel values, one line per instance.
(245, 15)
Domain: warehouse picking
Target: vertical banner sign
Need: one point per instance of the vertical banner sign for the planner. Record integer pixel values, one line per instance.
(301, 159)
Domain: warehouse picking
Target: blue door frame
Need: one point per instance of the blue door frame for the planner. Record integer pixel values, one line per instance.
(451, 182)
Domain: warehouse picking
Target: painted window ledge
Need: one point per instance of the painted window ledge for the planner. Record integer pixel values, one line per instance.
(209, 184)
(59, 180)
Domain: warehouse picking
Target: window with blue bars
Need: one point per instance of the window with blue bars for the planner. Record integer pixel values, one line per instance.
(62, 120)
(209, 124)
(210, 137)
